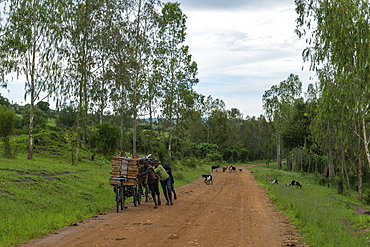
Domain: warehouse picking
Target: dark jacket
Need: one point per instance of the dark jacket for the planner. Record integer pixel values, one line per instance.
(152, 178)
(169, 172)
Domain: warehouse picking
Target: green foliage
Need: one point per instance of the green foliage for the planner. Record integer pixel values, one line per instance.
(324, 217)
(44, 106)
(4, 101)
(295, 133)
(7, 120)
(105, 140)
(39, 122)
(206, 148)
(66, 117)
(236, 154)
(214, 157)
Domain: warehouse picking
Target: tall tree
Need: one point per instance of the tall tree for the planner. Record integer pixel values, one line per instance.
(145, 22)
(277, 102)
(30, 37)
(180, 71)
(338, 47)
(80, 38)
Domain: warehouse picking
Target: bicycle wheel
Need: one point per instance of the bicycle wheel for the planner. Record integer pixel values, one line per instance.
(123, 198)
(139, 193)
(118, 190)
(134, 195)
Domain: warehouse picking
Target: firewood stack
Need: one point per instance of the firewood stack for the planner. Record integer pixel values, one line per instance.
(124, 168)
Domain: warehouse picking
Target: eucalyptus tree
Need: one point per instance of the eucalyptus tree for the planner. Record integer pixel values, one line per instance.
(152, 93)
(266, 142)
(295, 135)
(276, 104)
(235, 122)
(179, 75)
(108, 16)
(210, 105)
(121, 70)
(252, 136)
(81, 59)
(338, 47)
(30, 37)
(218, 123)
(144, 29)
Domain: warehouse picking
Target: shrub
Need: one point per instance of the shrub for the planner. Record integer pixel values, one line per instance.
(7, 120)
(206, 148)
(214, 157)
(105, 140)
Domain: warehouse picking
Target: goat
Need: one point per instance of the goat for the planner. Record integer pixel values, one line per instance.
(288, 184)
(274, 181)
(232, 168)
(215, 167)
(224, 168)
(296, 183)
(207, 179)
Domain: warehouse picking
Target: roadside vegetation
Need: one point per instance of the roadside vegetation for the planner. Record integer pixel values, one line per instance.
(44, 194)
(322, 215)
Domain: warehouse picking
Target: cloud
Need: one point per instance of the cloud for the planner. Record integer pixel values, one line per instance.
(243, 52)
(230, 4)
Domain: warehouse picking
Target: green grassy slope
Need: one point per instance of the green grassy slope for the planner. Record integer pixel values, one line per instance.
(324, 217)
(40, 195)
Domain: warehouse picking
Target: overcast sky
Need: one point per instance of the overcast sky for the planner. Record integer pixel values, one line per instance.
(242, 48)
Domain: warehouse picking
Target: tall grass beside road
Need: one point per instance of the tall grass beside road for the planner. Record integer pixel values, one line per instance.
(324, 217)
(41, 195)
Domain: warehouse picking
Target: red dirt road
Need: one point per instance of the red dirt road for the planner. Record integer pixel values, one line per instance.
(234, 211)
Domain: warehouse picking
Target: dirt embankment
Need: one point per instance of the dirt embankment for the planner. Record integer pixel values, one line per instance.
(234, 211)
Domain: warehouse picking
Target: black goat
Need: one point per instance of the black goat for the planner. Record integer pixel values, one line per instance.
(274, 181)
(296, 183)
(215, 167)
(232, 168)
(207, 179)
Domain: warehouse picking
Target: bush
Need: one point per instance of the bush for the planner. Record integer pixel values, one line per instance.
(190, 162)
(7, 120)
(105, 140)
(323, 181)
(214, 157)
(205, 148)
(40, 119)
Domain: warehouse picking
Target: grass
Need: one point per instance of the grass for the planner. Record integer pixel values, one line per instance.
(324, 217)
(42, 195)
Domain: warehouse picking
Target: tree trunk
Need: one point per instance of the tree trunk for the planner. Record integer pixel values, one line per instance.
(32, 91)
(136, 82)
(359, 174)
(151, 129)
(169, 150)
(365, 139)
(330, 167)
(134, 135)
(278, 151)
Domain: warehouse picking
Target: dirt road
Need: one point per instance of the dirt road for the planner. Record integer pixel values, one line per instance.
(234, 211)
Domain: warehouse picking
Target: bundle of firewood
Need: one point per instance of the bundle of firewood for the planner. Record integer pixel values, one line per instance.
(124, 168)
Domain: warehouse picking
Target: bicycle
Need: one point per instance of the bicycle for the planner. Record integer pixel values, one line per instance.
(119, 190)
(137, 194)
